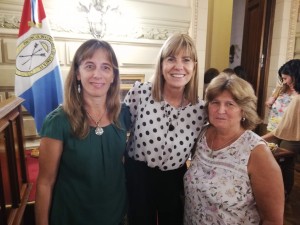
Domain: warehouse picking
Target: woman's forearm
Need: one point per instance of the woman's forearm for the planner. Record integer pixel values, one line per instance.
(42, 204)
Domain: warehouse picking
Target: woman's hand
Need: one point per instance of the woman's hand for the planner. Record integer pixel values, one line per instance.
(270, 102)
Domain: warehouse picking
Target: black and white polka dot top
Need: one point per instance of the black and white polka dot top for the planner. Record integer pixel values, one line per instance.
(153, 139)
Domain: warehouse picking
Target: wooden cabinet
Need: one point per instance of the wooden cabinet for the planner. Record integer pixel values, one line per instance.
(14, 185)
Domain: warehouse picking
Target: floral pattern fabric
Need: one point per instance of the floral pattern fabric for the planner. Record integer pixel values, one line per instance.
(217, 185)
(277, 110)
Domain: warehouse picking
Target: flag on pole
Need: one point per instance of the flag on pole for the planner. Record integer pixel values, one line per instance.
(38, 78)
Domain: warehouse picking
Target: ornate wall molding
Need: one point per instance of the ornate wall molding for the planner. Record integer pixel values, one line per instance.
(292, 29)
(152, 26)
(194, 21)
(9, 21)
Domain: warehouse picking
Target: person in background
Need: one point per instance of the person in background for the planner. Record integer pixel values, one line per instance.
(208, 76)
(81, 174)
(167, 116)
(288, 129)
(228, 71)
(233, 177)
(240, 72)
(281, 96)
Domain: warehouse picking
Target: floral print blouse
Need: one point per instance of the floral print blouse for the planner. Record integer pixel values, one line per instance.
(217, 185)
(277, 110)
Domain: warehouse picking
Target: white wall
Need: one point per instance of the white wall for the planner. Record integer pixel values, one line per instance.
(238, 15)
(149, 24)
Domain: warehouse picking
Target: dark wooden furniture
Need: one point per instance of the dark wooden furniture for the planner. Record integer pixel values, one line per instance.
(285, 159)
(14, 185)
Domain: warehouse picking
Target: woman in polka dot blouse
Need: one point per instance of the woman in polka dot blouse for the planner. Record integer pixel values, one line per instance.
(167, 117)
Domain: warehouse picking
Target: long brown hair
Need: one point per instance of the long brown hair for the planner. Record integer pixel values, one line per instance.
(172, 46)
(73, 103)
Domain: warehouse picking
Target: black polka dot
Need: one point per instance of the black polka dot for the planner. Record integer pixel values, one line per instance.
(152, 141)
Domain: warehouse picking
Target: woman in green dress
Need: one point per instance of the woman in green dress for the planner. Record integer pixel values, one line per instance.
(81, 176)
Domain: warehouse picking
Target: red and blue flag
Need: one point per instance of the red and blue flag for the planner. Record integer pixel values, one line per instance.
(38, 77)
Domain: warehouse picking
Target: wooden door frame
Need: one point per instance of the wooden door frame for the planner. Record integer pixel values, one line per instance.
(266, 51)
(264, 47)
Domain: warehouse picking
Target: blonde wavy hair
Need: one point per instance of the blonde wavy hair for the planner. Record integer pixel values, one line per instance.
(73, 103)
(172, 46)
(242, 93)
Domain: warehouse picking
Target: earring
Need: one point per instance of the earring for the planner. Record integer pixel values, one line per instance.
(243, 119)
(78, 87)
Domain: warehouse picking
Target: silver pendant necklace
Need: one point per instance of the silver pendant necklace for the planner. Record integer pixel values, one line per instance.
(99, 130)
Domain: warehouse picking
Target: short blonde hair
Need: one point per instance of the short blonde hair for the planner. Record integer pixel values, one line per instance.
(242, 92)
(172, 46)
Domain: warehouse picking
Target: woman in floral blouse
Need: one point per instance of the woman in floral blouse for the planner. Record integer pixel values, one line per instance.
(233, 177)
(281, 96)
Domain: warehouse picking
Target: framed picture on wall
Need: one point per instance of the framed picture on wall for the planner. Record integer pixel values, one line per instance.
(127, 81)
